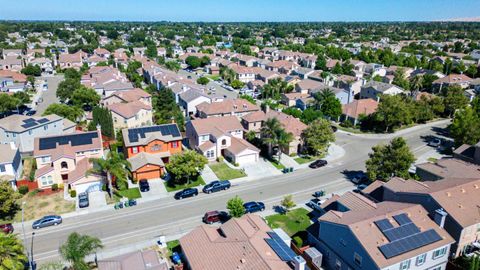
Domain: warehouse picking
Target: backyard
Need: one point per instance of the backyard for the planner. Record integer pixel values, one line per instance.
(37, 206)
(294, 221)
(198, 182)
(224, 172)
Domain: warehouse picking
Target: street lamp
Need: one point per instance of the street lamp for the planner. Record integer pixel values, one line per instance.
(31, 263)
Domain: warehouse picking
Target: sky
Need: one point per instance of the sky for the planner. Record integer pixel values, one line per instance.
(239, 10)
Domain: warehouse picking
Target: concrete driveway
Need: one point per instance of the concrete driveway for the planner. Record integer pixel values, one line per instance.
(96, 200)
(157, 190)
(260, 169)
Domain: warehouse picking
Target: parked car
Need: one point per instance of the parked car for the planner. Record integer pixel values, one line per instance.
(434, 142)
(186, 193)
(40, 100)
(31, 113)
(334, 128)
(361, 187)
(83, 200)
(47, 221)
(6, 228)
(215, 216)
(252, 207)
(359, 178)
(144, 185)
(315, 204)
(318, 163)
(216, 186)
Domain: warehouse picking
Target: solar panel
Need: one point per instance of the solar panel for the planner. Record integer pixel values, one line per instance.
(278, 245)
(28, 120)
(74, 140)
(401, 231)
(409, 243)
(29, 125)
(383, 224)
(168, 129)
(402, 219)
(43, 120)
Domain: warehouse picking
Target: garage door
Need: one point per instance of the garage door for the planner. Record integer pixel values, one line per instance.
(148, 175)
(247, 159)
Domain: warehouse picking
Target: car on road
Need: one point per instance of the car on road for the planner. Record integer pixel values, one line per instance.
(83, 200)
(318, 164)
(216, 186)
(315, 204)
(186, 193)
(334, 128)
(434, 142)
(144, 185)
(31, 113)
(359, 178)
(361, 187)
(215, 216)
(6, 228)
(253, 207)
(40, 100)
(47, 221)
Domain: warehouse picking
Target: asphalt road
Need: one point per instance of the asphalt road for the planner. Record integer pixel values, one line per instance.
(49, 96)
(169, 217)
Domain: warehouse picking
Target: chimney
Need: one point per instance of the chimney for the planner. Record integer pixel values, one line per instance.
(439, 217)
(299, 263)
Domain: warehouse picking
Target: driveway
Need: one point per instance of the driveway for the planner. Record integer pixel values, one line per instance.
(96, 200)
(260, 169)
(157, 190)
(208, 175)
(50, 95)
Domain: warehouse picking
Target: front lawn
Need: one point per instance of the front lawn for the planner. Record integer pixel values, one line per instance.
(213, 77)
(37, 206)
(294, 221)
(305, 159)
(195, 183)
(223, 172)
(277, 164)
(131, 193)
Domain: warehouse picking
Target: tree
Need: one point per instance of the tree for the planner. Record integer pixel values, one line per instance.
(186, 166)
(235, 207)
(454, 99)
(389, 160)
(416, 83)
(288, 202)
(72, 113)
(32, 70)
(465, 127)
(166, 109)
(236, 84)
(115, 166)
(173, 65)
(400, 79)
(66, 88)
(326, 102)
(8, 201)
(11, 252)
(71, 73)
(193, 62)
(8, 102)
(228, 74)
(84, 96)
(392, 112)
(203, 80)
(103, 117)
(275, 87)
(337, 69)
(23, 98)
(151, 51)
(274, 135)
(77, 248)
(317, 136)
(321, 63)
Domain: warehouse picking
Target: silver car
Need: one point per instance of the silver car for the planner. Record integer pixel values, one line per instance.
(47, 221)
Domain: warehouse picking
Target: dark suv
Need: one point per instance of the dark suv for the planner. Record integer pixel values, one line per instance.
(215, 216)
(188, 192)
(144, 185)
(83, 200)
(6, 228)
(252, 207)
(216, 186)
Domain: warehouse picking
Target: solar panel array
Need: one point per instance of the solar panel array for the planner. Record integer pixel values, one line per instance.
(404, 238)
(281, 249)
(74, 140)
(30, 122)
(135, 133)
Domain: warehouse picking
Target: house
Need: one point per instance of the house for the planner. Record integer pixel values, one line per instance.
(11, 53)
(149, 148)
(17, 77)
(240, 243)
(447, 168)
(106, 80)
(161, 52)
(290, 99)
(14, 63)
(120, 57)
(352, 111)
(189, 100)
(374, 89)
(135, 94)
(8, 84)
(221, 136)
(10, 163)
(468, 153)
(237, 107)
(65, 160)
(45, 64)
(131, 115)
(356, 233)
(283, 66)
(453, 201)
(74, 60)
(103, 53)
(22, 130)
(453, 79)
(139, 51)
(303, 73)
(244, 74)
(138, 260)
(254, 122)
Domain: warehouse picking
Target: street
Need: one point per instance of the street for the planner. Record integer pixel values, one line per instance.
(147, 221)
(49, 96)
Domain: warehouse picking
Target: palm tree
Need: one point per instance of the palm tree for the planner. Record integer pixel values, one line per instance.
(320, 97)
(274, 135)
(284, 140)
(114, 165)
(11, 252)
(416, 83)
(77, 248)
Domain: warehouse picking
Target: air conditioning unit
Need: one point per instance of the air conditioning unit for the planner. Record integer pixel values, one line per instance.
(314, 256)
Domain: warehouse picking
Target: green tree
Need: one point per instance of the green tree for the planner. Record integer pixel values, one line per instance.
(166, 109)
(389, 160)
(321, 63)
(236, 84)
(203, 80)
(317, 137)
(173, 65)
(11, 252)
(326, 102)
(77, 247)
(400, 79)
(186, 166)
(454, 99)
(71, 73)
(416, 83)
(193, 62)
(103, 117)
(392, 112)
(23, 98)
(32, 70)
(465, 127)
(337, 69)
(8, 201)
(8, 102)
(228, 74)
(66, 88)
(235, 207)
(151, 51)
(115, 166)
(85, 96)
(274, 135)
(288, 202)
(275, 88)
(72, 113)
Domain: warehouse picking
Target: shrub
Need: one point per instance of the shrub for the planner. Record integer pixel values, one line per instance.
(23, 190)
(104, 187)
(236, 164)
(60, 186)
(54, 187)
(73, 193)
(298, 241)
(34, 192)
(220, 159)
(347, 123)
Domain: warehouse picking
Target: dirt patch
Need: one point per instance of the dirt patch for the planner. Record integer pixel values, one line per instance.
(37, 206)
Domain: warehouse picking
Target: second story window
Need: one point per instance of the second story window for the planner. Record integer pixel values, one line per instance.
(439, 253)
(421, 259)
(156, 147)
(134, 150)
(174, 144)
(64, 165)
(224, 142)
(357, 258)
(45, 159)
(405, 265)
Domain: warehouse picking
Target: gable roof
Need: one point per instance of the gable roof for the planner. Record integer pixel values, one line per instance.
(227, 106)
(224, 124)
(360, 106)
(144, 135)
(128, 110)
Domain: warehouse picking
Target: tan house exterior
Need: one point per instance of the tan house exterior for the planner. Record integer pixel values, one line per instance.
(236, 107)
(130, 115)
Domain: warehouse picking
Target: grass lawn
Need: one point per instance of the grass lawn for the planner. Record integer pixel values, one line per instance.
(432, 159)
(305, 159)
(172, 246)
(213, 77)
(28, 167)
(224, 172)
(195, 183)
(37, 206)
(277, 164)
(131, 193)
(293, 222)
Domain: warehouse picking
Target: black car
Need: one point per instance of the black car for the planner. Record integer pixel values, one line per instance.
(359, 178)
(334, 128)
(318, 163)
(252, 207)
(47, 221)
(31, 113)
(216, 186)
(144, 185)
(186, 193)
(83, 200)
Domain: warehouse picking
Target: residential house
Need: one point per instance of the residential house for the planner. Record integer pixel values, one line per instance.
(65, 160)
(45, 64)
(468, 153)
(356, 233)
(236, 107)
(22, 130)
(241, 243)
(131, 115)
(106, 80)
(135, 94)
(139, 51)
(190, 99)
(303, 73)
(374, 89)
(161, 52)
(103, 53)
(451, 202)
(283, 66)
(290, 99)
(149, 148)
(74, 60)
(244, 74)
(10, 164)
(221, 136)
(138, 260)
(120, 57)
(352, 111)
(447, 168)
(12, 53)
(17, 77)
(461, 80)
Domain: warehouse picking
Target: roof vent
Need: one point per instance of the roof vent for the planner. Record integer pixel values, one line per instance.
(463, 190)
(475, 186)
(243, 260)
(449, 194)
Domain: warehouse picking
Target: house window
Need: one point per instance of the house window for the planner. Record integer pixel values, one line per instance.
(49, 180)
(134, 150)
(338, 264)
(2, 168)
(357, 258)
(45, 159)
(224, 142)
(30, 132)
(64, 165)
(405, 265)
(156, 147)
(210, 154)
(421, 259)
(44, 180)
(14, 135)
(45, 127)
(439, 253)
(174, 144)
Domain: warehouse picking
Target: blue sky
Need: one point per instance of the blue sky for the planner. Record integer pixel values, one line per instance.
(239, 10)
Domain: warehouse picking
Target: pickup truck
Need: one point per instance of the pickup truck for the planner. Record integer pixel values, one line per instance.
(315, 204)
